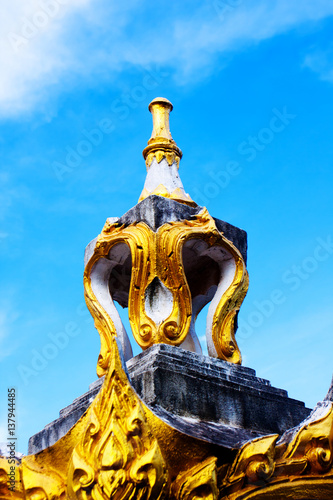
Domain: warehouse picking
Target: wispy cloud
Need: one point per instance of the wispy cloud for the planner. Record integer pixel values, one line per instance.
(33, 53)
(47, 50)
(321, 62)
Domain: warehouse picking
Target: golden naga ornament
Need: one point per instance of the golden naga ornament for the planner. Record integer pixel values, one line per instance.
(207, 428)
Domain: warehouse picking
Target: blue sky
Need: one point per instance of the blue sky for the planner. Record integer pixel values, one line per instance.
(252, 86)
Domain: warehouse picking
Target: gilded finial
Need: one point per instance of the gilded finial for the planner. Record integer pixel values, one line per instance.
(162, 157)
(160, 108)
(161, 145)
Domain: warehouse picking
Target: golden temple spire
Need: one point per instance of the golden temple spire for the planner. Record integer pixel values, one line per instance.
(162, 157)
(161, 142)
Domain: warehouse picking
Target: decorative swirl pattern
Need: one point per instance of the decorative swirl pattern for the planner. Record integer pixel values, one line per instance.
(117, 456)
(159, 256)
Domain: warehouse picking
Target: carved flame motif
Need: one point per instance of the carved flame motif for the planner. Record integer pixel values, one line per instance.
(296, 467)
(41, 484)
(199, 482)
(117, 456)
(157, 257)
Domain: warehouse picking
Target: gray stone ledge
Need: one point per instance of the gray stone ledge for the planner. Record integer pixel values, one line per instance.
(203, 397)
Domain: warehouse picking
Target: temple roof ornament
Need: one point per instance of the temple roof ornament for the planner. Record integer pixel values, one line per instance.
(162, 157)
(171, 423)
(174, 268)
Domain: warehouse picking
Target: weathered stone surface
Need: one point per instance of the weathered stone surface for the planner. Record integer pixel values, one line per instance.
(157, 210)
(320, 411)
(236, 235)
(209, 389)
(217, 433)
(203, 397)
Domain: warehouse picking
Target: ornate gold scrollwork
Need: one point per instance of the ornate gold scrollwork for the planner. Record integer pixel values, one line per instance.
(159, 256)
(117, 456)
(254, 462)
(9, 491)
(312, 445)
(199, 482)
(41, 484)
(109, 453)
(296, 467)
(172, 239)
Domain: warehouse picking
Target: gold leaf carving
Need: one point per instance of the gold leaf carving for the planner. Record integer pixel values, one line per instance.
(298, 466)
(170, 156)
(314, 442)
(42, 483)
(117, 456)
(199, 482)
(254, 461)
(159, 255)
(9, 490)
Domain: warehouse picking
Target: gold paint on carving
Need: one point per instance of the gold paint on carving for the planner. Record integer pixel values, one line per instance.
(159, 255)
(199, 482)
(302, 468)
(314, 443)
(117, 456)
(161, 145)
(42, 483)
(146, 266)
(173, 236)
(159, 155)
(253, 462)
(109, 453)
(114, 451)
(176, 195)
(8, 490)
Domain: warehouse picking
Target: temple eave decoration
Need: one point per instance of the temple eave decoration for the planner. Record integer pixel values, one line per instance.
(171, 423)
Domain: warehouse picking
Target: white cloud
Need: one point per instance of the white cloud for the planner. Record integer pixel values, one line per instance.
(95, 38)
(33, 55)
(321, 62)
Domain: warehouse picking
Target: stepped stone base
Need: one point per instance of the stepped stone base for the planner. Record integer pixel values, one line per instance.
(203, 397)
